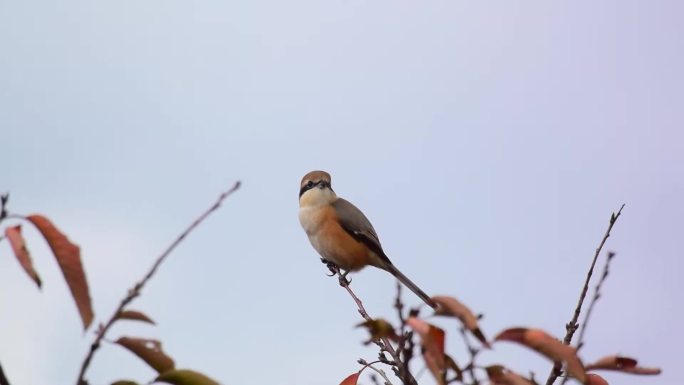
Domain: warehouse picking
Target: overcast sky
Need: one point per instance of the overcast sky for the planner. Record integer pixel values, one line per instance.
(487, 141)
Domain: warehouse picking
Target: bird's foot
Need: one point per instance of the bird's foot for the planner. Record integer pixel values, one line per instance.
(344, 281)
(331, 266)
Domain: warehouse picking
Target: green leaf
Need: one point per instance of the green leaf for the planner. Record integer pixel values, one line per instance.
(185, 377)
(124, 382)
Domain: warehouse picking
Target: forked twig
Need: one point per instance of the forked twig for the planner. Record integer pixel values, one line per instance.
(136, 289)
(572, 326)
(597, 295)
(385, 345)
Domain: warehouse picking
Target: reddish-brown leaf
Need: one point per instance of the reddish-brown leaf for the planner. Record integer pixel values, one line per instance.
(621, 364)
(451, 307)
(550, 347)
(595, 379)
(68, 257)
(351, 379)
(502, 376)
(185, 377)
(134, 315)
(149, 351)
(379, 328)
(433, 341)
(18, 244)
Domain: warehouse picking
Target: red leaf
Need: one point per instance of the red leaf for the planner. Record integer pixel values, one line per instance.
(351, 379)
(68, 257)
(185, 377)
(550, 347)
(450, 306)
(502, 376)
(149, 351)
(433, 341)
(595, 379)
(13, 234)
(621, 364)
(134, 315)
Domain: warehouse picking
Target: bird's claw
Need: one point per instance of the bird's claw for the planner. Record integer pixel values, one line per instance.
(335, 270)
(344, 281)
(331, 266)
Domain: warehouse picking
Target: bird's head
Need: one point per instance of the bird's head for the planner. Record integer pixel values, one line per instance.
(315, 189)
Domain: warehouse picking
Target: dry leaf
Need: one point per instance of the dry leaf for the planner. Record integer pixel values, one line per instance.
(185, 377)
(621, 364)
(550, 347)
(433, 341)
(450, 306)
(351, 379)
(68, 257)
(149, 351)
(502, 376)
(124, 382)
(18, 244)
(379, 328)
(595, 379)
(134, 315)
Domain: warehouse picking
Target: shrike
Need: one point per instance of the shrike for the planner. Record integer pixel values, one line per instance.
(340, 232)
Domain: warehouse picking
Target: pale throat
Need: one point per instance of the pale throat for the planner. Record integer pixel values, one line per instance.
(317, 197)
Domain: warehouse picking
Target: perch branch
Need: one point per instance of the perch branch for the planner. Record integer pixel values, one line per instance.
(137, 288)
(572, 326)
(406, 376)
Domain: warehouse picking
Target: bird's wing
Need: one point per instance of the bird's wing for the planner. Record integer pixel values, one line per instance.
(358, 226)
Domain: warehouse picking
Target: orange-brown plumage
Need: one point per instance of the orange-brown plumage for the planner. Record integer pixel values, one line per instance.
(341, 233)
(341, 248)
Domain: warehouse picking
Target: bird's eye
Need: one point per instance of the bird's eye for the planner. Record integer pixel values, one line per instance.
(309, 184)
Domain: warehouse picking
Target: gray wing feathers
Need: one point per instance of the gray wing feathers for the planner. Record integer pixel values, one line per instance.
(359, 227)
(353, 220)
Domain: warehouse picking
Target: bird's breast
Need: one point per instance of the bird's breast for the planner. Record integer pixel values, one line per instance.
(332, 241)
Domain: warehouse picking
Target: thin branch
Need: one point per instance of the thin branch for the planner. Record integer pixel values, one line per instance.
(3, 378)
(370, 365)
(381, 373)
(594, 299)
(572, 326)
(3, 214)
(385, 345)
(4, 198)
(137, 288)
(597, 295)
(472, 352)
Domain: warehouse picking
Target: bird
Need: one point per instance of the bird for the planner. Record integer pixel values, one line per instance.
(341, 233)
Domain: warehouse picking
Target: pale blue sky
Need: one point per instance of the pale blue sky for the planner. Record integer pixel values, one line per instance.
(487, 141)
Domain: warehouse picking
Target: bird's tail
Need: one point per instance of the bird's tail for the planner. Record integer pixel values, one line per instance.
(412, 286)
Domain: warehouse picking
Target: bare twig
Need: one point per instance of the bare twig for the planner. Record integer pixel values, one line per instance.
(370, 365)
(4, 198)
(136, 289)
(472, 352)
(381, 373)
(406, 376)
(3, 214)
(572, 326)
(406, 344)
(3, 378)
(597, 295)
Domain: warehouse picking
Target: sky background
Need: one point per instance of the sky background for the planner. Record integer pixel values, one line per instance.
(487, 141)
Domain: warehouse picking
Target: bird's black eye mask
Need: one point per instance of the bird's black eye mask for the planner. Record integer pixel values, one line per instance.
(310, 184)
